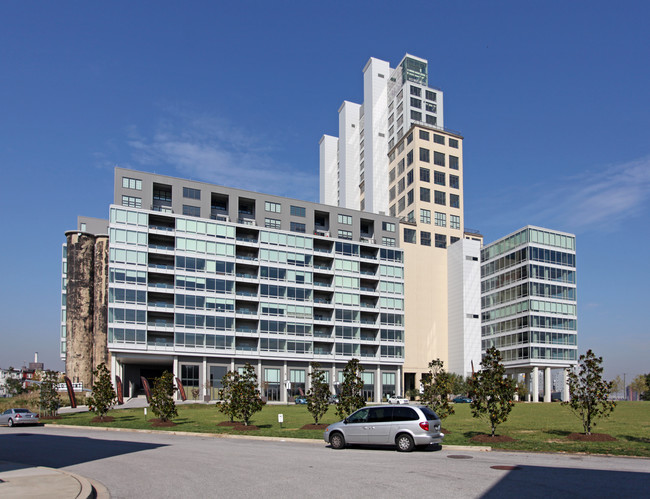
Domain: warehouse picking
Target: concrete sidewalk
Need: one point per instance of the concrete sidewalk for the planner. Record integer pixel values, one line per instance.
(20, 481)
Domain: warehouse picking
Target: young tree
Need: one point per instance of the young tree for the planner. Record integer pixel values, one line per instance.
(491, 391)
(318, 394)
(646, 394)
(229, 380)
(437, 385)
(245, 395)
(351, 397)
(14, 386)
(639, 386)
(162, 397)
(589, 392)
(617, 384)
(458, 384)
(49, 400)
(103, 397)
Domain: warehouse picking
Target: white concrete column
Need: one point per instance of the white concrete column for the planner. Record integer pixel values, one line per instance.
(232, 364)
(114, 371)
(333, 379)
(205, 377)
(547, 384)
(378, 385)
(177, 374)
(535, 390)
(284, 396)
(398, 383)
(515, 377)
(308, 378)
(565, 385)
(259, 375)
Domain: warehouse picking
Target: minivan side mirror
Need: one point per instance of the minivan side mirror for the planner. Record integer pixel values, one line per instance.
(345, 421)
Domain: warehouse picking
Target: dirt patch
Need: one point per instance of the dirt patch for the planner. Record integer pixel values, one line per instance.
(487, 439)
(594, 437)
(242, 427)
(157, 423)
(555, 441)
(229, 423)
(49, 417)
(107, 419)
(312, 426)
(445, 431)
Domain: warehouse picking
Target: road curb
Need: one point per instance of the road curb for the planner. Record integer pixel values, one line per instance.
(478, 448)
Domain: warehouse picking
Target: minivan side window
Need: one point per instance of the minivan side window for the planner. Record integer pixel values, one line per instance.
(380, 415)
(404, 414)
(429, 414)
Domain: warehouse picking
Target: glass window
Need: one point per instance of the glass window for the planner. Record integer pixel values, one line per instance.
(441, 219)
(453, 162)
(425, 238)
(416, 102)
(409, 158)
(409, 236)
(409, 177)
(388, 226)
(424, 155)
(441, 241)
(298, 227)
(388, 241)
(453, 143)
(431, 108)
(345, 234)
(400, 166)
(345, 219)
(454, 181)
(454, 221)
(401, 204)
(439, 139)
(424, 135)
(401, 185)
(439, 158)
(409, 139)
(298, 211)
(431, 95)
(132, 183)
(410, 197)
(440, 197)
(132, 201)
(272, 223)
(192, 211)
(431, 120)
(454, 200)
(438, 178)
(425, 216)
(191, 193)
(417, 91)
(273, 207)
(425, 175)
(425, 194)
(416, 115)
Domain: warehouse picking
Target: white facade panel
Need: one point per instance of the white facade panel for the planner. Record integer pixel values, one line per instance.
(349, 155)
(328, 152)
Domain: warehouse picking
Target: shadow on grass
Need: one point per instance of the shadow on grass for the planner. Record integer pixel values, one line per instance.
(470, 434)
(641, 440)
(560, 433)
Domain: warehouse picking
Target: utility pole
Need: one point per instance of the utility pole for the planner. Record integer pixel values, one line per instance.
(624, 387)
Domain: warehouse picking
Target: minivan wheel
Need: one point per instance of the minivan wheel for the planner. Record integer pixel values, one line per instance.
(404, 443)
(10, 422)
(337, 441)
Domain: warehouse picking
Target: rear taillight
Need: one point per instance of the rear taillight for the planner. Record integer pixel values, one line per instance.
(18, 416)
(424, 425)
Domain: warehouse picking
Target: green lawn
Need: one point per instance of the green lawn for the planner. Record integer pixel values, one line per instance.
(536, 427)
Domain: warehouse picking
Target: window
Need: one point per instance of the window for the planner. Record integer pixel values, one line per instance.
(400, 166)
(298, 211)
(388, 226)
(409, 177)
(132, 183)
(411, 216)
(191, 193)
(416, 115)
(410, 197)
(391, 194)
(454, 200)
(431, 120)
(425, 194)
(162, 195)
(424, 155)
(391, 176)
(400, 185)
(454, 222)
(190, 375)
(453, 239)
(453, 162)
(400, 147)
(431, 95)
(424, 135)
(416, 102)
(440, 197)
(438, 178)
(425, 216)
(345, 234)
(441, 241)
(438, 159)
(409, 236)
(272, 223)
(454, 181)
(193, 211)
(273, 207)
(392, 211)
(425, 238)
(425, 175)
(409, 158)
(131, 201)
(345, 219)
(416, 91)
(388, 241)
(439, 139)
(431, 108)
(453, 143)
(409, 139)
(297, 227)
(441, 219)
(401, 204)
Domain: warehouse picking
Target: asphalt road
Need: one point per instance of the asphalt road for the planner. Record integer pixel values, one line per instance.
(158, 465)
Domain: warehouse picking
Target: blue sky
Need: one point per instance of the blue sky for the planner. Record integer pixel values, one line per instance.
(551, 97)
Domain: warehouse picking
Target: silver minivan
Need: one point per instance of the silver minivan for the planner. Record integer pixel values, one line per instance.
(405, 426)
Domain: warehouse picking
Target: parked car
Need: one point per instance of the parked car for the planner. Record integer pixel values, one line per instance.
(397, 400)
(462, 400)
(300, 399)
(12, 417)
(333, 399)
(403, 426)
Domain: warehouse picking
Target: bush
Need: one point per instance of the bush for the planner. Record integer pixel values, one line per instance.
(351, 397)
(318, 394)
(103, 397)
(162, 397)
(49, 398)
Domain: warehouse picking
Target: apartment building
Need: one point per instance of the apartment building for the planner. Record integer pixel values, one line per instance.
(202, 279)
(529, 305)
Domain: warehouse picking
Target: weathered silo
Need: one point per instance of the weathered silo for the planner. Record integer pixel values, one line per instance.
(100, 307)
(80, 306)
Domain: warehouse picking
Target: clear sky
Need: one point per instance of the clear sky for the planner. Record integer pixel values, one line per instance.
(553, 100)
